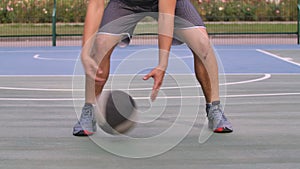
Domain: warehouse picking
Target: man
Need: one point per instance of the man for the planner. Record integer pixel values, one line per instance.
(118, 19)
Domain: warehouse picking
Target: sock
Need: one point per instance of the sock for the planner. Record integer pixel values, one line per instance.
(88, 105)
(208, 105)
(216, 102)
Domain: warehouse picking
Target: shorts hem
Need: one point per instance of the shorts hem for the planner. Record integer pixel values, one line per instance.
(114, 34)
(192, 27)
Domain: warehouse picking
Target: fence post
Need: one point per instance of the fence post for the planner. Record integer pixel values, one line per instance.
(298, 23)
(54, 24)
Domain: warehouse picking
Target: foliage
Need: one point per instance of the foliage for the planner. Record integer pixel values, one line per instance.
(247, 10)
(73, 11)
(40, 11)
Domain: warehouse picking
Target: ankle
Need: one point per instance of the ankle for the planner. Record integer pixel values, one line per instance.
(209, 105)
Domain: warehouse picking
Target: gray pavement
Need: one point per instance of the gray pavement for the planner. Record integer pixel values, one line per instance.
(36, 128)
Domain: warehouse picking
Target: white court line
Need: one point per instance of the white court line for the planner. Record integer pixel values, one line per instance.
(37, 56)
(226, 96)
(48, 50)
(266, 76)
(148, 98)
(39, 89)
(39, 51)
(40, 99)
(277, 57)
(288, 58)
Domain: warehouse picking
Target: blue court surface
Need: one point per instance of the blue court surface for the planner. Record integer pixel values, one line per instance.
(40, 101)
(62, 60)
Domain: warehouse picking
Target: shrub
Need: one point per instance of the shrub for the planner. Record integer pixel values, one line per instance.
(26, 11)
(247, 10)
(40, 11)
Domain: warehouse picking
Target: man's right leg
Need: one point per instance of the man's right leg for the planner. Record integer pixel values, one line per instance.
(101, 52)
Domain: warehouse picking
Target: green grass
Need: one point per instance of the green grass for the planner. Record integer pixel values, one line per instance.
(253, 28)
(38, 29)
(45, 29)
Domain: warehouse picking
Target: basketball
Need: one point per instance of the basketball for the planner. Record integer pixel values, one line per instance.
(115, 112)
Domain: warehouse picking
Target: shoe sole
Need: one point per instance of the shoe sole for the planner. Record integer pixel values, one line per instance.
(83, 133)
(223, 130)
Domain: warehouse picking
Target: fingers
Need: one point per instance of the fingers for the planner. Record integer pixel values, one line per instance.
(156, 87)
(146, 77)
(154, 94)
(158, 78)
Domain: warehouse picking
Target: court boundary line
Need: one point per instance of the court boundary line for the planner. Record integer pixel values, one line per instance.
(277, 57)
(37, 56)
(51, 50)
(266, 76)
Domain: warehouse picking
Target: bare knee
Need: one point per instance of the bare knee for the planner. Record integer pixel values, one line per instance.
(197, 39)
(105, 42)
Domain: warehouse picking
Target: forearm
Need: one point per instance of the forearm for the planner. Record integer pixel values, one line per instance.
(166, 24)
(92, 20)
(165, 30)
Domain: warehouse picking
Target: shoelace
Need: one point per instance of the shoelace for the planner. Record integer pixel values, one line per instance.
(86, 115)
(215, 112)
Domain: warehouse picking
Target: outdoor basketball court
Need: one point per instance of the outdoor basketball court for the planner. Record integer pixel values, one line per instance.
(259, 89)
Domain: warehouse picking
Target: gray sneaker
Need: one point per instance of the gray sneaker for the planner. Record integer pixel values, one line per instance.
(87, 123)
(217, 120)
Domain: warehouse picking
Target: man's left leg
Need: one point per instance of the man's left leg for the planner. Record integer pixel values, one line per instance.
(206, 70)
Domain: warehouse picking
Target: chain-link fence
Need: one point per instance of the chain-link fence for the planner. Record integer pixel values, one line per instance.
(49, 21)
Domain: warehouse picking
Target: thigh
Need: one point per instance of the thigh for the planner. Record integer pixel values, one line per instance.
(102, 46)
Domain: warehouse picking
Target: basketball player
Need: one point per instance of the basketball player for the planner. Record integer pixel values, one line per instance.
(106, 26)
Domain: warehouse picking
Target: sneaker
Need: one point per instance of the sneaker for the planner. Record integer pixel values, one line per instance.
(87, 123)
(217, 120)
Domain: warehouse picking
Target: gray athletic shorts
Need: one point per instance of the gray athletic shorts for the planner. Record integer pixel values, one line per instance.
(121, 18)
